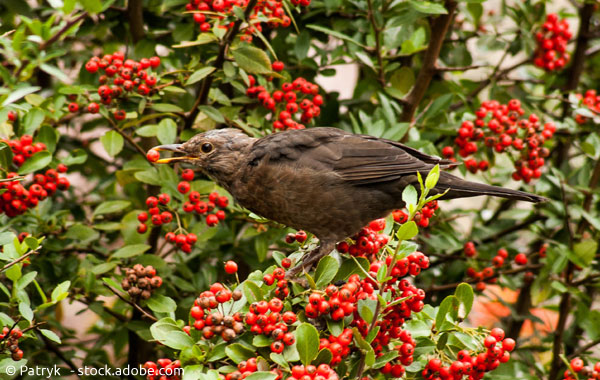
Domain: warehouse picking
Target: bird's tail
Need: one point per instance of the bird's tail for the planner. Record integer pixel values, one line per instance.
(459, 188)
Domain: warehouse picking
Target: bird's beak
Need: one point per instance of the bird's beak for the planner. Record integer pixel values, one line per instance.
(176, 148)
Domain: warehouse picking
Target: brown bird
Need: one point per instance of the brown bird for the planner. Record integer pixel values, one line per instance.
(321, 180)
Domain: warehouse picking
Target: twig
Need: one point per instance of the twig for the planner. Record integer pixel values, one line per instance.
(127, 137)
(206, 83)
(135, 305)
(460, 68)
(20, 259)
(378, 52)
(584, 348)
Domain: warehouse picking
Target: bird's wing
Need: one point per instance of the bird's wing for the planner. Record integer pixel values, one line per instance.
(357, 159)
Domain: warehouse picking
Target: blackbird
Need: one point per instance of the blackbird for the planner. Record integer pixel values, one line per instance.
(322, 180)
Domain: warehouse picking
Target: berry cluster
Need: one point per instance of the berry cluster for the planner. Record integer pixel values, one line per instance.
(498, 126)
(141, 281)
(278, 275)
(405, 354)
(299, 96)
(10, 340)
(591, 101)
(18, 198)
(310, 372)
(195, 202)
(421, 217)
(339, 346)
(551, 53)
(336, 302)
(247, 367)
(220, 12)
(579, 370)
(473, 365)
(212, 322)
(299, 236)
(120, 76)
(368, 242)
(266, 318)
(163, 369)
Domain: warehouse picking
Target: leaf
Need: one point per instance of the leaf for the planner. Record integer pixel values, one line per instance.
(166, 107)
(432, 177)
(261, 375)
(161, 304)
(428, 7)
(80, 233)
(92, 6)
(25, 311)
(307, 342)
(326, 271)
(112, 142)
(252, 292)
(36, 162)
(32, 120)
(50, 335)
(448, 306)
(75, 157)
(109, 207)
(585, 251)
(25, 280)
(409, 195)
(168, 333)
(204, 38)
(131, 251)
(61, 291)
(366, 308)
(350, 267)
(48, 136)
(213, 113)
(252, 60)
(149, 176)
(464, 295)
(55, 72)
(199, 75)
(407, 231)
(238, 352)
(19, 93)
(167, 131)
(333, 33)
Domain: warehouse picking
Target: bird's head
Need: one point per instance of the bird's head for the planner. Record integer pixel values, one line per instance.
(217, 152)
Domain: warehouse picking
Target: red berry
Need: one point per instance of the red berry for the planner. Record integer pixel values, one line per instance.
(187, 175)
(277, 66)
(231, 267)
(153, 155)
(577, 364)
(183, 187)
(73, 107)
(521, 259)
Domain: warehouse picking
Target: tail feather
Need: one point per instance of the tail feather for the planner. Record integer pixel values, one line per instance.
(459, 188)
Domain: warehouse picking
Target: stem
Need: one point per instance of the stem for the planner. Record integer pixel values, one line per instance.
(127, 137)
(135, 15)
(135, 305)
(20, 259)
(378, 52)
(207, 82)
(439, 28)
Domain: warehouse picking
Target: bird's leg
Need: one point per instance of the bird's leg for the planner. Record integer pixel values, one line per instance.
(311, 258)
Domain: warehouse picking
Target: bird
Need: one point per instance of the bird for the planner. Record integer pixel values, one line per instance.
(323, 180)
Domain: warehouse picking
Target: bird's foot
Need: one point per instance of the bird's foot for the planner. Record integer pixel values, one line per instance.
(308, 260)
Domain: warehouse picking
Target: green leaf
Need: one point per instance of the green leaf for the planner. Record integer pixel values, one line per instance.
(366, 308)
(307, 342)
(213, 113)
(61, 291)
(75, 157)
(167, 131)
(55, 72)
(449, 306)
(464, 295)
(149, 176)
(585, 252)
(19, 93)
(166, 107)
(25, 311)
(92, 6)
(407, 231)
(161, 304)
(333, 33)
(326, 271)
(402, 81)
(261, 375)
(199, 75)
(432, 177)
(428, 7)
(80, 233)
(50, 335)
(131, 251)
(410, 195)
(32, 120)
(36, 162)
(48, 136)
(112, 142)
(385, 358)
(109, 207)
(238, 352)
(350, 267)
(252, 292)
(25, 280)
(365, 347)
(252, 60)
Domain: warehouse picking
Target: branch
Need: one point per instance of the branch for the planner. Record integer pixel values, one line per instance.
(584, 348)
(135, 305)
(438, 32)
(207, 82)
(20, 259)
(129, 139)
(460, 68)
(135, 15)
(377, 31)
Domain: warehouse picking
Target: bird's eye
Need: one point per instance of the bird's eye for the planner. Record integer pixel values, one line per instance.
(206, 147)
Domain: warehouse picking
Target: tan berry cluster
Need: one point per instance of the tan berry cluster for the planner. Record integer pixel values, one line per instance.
(163, 369)
(220, 12)
(579, 370)
(551, 53)
(473, 364)
(590, 100)
(502, 128)
(19, 197)
(209, 317)
(10, 341)
(141, 281)
(297, 97)
(120, 77)
(368, 242)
